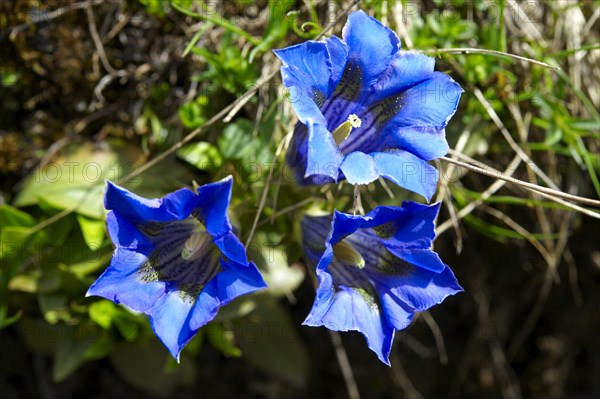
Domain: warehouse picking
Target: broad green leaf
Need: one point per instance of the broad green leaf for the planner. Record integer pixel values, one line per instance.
(73, 285)
(16, 241)
(92, 230)
(102, 313)
(95, 260)
(203, 156)
(127, 324)
(222, 340)
(73, 344)
(39, 336)
(26, 282)
(50, 279)
(10, 216)
(9, 78)
(236, 140)
(191, 114)
(237, 308)
(142, 366)
(54, 307)
(100, 348)
(74, 180)
(269, 341)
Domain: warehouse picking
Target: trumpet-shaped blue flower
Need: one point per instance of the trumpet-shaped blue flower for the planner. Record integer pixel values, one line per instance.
(375, 271)
(367, 109)
(176, 259)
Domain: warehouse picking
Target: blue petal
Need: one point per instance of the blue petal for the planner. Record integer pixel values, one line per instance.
(382, 214)
(232, 248)
(359, 168)
(430, 103)
(297, 154)
(338, 54)
(413, 222)
(419, 125)
(315, 230)
(121, 282)
(213, 201)
(174, 206)
(124, 234)
(236, 280)
(420, 289)
(309, 63)
(398, 314)
(372, 45)
(206, 306)
(426, 142)
(345, 224)
(406, 70)
(170, 321)
(349, 311)
(425, 258)
(325, 290)
(408, 171)
(324, 156)
(306, 73)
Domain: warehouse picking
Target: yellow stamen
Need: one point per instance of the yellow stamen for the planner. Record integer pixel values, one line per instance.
(342, 132)
(345, 253)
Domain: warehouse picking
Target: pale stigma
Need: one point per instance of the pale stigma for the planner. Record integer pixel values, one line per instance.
(197, 244)
(342, 131)
(345, 253)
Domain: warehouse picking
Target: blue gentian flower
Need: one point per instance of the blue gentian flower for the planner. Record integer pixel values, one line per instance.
(375, 271)
(176, 259)
(367, 109)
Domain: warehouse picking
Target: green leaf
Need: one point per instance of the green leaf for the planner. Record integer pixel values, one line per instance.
(237, 308)
(191, 114)
(6, 320)
(39, 336)
(92, 262)
(222, 340)
(73, 345)
(54, 307)
(101, 347)
(593, 125)
(16, 241)
(278, 27)
(73, 180)
(50, 279)
(92, 230)
(9, 78)
(10, 216)
(26, 282)
(269, 340)
(553, 137)
(203, 156)
(142, 366)
(102, 313)
(236, 140)
(127, 324)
